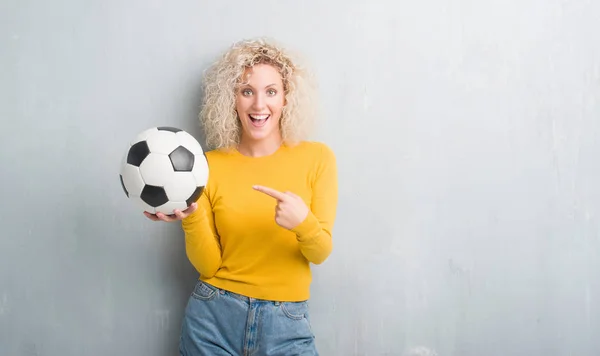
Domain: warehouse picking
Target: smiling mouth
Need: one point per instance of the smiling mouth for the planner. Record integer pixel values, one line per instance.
(259, 120)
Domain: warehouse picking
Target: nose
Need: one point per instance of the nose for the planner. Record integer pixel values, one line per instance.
(259, 101)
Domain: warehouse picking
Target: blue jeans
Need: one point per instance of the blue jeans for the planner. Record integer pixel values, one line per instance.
(218, 322)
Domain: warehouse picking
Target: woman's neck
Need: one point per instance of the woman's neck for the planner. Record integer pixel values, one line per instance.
(259, 148)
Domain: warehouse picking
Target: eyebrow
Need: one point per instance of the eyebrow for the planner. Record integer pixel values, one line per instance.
(248, 85)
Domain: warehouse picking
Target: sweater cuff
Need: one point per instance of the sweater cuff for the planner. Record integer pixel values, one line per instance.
(307, 229)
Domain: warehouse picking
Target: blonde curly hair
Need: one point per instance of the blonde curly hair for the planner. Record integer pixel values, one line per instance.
(218, 115)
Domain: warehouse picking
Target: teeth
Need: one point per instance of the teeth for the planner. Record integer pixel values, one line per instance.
(259, 117)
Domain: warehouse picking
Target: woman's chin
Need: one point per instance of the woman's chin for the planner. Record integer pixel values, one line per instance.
(260, 135)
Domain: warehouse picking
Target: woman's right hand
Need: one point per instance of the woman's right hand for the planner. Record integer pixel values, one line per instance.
(177, 215)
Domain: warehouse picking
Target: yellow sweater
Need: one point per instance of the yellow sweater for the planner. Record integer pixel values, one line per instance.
(232, 239)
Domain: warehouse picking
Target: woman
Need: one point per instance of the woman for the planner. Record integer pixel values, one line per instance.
(266, 213)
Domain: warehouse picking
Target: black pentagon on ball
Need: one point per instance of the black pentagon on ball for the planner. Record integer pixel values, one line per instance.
(195, 195)
(154, 196)
(123, 185)
(137, 153)
(182, 159)
(168, 128)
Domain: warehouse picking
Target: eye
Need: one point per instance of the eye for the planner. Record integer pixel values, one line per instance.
(246, 92)
(272, 92)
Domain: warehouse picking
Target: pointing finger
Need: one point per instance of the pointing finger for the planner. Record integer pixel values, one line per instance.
(271, 192)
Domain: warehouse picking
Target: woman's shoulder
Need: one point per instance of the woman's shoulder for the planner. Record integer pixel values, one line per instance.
(315, 149)
(218, 153)
(218, 158)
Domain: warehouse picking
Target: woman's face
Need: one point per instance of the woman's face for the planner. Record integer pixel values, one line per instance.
(260, 102)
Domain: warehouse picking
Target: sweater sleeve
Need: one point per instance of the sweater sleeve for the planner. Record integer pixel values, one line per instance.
(314, 234)
(201, 239)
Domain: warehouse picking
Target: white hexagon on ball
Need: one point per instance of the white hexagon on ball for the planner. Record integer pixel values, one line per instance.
(143, 136)
(163, 142)
(188, 141)
(181, 187)
(132, 180)
(157, 170)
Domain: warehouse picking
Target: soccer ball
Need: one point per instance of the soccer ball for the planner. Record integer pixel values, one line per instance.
(164, 169)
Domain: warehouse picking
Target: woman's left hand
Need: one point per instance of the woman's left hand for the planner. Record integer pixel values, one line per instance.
(290, 210)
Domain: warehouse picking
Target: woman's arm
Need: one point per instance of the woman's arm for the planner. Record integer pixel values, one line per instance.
(314, 233)
(201, 239)
(312, 224)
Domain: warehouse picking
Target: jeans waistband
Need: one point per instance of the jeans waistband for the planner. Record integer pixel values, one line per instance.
(244, 298)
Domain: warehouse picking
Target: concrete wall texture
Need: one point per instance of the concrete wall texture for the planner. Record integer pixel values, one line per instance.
(467, 141)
